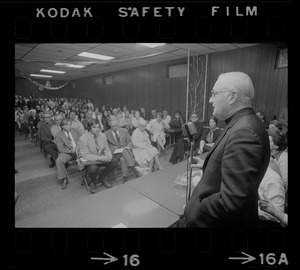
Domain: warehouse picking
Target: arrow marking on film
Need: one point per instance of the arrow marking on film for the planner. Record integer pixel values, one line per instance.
(110, 259)
(247, 259)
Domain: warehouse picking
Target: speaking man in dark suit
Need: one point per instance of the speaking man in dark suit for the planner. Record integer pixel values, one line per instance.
(227, 194)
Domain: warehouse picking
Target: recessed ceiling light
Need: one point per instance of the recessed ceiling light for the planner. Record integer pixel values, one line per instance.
(96, 56)
(152, 45)
(52, 71)
(69, 65)
(40, 75)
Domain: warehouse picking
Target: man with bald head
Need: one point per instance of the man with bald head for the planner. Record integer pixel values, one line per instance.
(227, 194)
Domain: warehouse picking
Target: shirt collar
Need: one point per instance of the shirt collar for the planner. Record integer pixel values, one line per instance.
(237, 114)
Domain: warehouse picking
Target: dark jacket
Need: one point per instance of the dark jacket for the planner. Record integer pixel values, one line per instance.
(177, 123)
(227, 194)
(216, 134)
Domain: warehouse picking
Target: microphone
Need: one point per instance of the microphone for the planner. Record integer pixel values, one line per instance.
(189, 130)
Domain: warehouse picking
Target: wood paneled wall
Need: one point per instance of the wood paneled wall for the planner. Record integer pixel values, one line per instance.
(149, 86)
(270, 84)
(146, 86)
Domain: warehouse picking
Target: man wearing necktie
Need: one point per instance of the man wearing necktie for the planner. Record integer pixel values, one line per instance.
(66, 141)
(119, 139)
(93, 146)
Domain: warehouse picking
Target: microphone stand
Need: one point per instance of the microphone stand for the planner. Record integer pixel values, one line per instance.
(189, 172)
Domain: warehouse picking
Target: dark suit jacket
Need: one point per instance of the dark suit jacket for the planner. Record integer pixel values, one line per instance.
(227, 194)
(125, 139)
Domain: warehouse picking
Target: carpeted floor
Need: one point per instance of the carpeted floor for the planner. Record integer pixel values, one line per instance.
(37, 185)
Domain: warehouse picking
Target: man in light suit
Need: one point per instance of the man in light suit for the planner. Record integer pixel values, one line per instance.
(66, 141)
(93, 146)
(227, 194)
(119, 138)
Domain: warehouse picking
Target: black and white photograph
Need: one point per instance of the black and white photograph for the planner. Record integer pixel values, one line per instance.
(149, 134)
(154, 135)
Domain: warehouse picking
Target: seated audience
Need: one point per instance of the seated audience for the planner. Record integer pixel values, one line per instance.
(209, 136)
(90, 105)
(93, 146)
(167, 118)
(275, 125)
(24, 121)
(145, 114)
(18, 117)
(89, 116)
(132, 113)
(153, 114)
(98, 115)
(183, 144)
(125, 122)
(116, 115)
(66, 141)
(144, 153)
(82, 119)
(268, 207)
(157, 130)
(177, 121)
(48, 144)
(272, 189)
(120, 144)
(56, 127)
(41, 119)
(278, 147)
(136, 119)
(75, 123)
(32, 122)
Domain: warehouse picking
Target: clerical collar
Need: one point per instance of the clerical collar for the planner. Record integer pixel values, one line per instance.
(234, 115)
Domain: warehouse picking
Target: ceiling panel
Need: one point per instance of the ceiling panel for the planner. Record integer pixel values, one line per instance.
(32, 57)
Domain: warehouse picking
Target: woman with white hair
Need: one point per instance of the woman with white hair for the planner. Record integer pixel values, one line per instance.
(144, 153)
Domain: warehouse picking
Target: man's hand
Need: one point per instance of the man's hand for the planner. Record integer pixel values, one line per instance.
(197, 162)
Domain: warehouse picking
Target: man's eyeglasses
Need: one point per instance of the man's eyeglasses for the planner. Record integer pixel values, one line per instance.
(214, 93)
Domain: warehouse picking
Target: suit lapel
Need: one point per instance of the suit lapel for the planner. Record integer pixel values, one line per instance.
(112, 137)
(65, 139)
(215, 145)
(239, 115)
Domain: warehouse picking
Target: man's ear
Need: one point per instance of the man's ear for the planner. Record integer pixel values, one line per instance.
(233, 96)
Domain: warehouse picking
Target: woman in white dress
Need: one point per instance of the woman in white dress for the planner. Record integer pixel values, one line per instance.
(144, 153)
(157, 128)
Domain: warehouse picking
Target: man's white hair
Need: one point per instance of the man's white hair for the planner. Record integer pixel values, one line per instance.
(238, 81)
